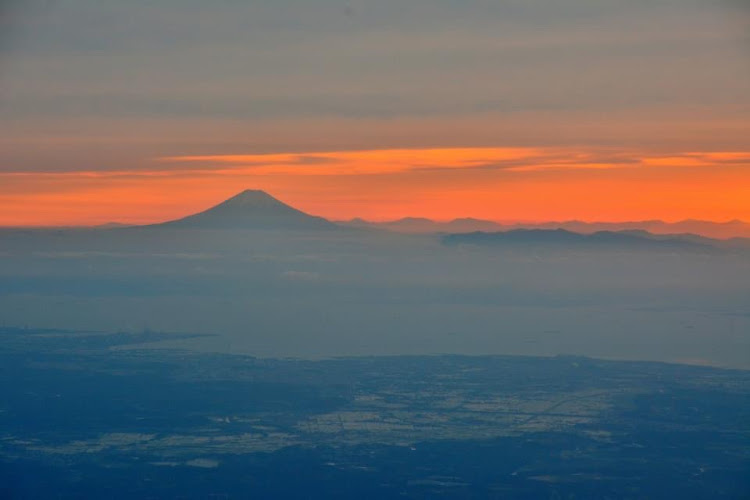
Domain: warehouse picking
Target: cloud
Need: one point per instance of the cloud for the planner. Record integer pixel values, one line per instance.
(368, 162)
(109, 98)
(262, 61)
(699, 159)
(363, 162)
(395, 161)
(567, 166)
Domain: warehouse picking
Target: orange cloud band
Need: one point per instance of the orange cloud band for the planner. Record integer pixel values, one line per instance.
(491, 183)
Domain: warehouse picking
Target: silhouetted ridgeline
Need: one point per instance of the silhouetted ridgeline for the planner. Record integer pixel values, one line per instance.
(251, 209)
(555, 238)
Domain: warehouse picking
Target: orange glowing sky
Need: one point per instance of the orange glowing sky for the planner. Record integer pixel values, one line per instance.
(529, 110)
(503, 184)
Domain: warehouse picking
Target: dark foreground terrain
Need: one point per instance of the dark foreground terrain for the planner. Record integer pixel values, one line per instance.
(87, 415)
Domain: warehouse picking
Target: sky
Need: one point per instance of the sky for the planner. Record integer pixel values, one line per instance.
(606, 110)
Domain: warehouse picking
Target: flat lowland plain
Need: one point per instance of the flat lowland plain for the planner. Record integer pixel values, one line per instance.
(83, 417)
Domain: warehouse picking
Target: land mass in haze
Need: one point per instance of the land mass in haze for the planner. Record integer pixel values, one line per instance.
(270, 280)
(622, 240)
(256, 209)
(709, 229)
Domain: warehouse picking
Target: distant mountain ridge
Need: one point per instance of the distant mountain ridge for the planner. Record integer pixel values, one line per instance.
(251, 209)
(420, 225)
(257, 210)
(550, 238)
(710, 229)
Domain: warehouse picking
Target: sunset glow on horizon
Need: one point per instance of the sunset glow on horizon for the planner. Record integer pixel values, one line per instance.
(501, 184)
(507, 111)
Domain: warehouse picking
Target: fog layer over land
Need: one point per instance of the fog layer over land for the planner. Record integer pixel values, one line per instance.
(269, 282)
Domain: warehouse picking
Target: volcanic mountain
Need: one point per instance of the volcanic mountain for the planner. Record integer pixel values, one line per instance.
(251, 209)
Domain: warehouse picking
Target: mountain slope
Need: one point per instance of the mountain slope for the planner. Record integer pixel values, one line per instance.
(251, 209)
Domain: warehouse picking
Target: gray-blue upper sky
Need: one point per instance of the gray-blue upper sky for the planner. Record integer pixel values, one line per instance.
(113, 83)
